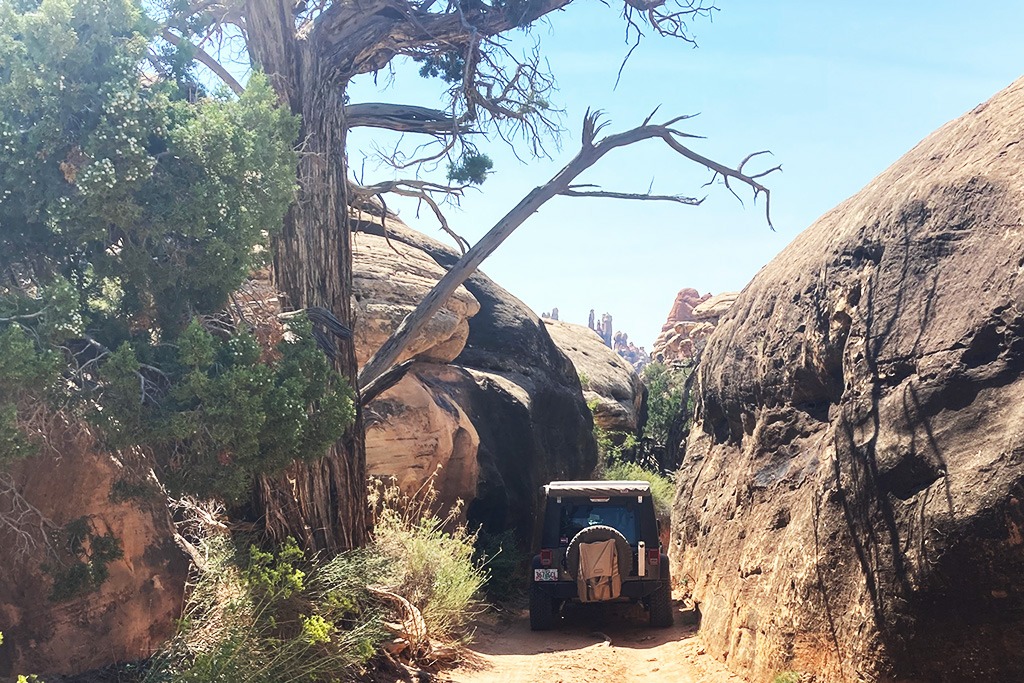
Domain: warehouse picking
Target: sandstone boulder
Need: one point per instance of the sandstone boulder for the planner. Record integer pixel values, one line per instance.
(682, 307)
(850, 503)
(677, 342)
(609, 382)
(416, 430)
(389, 279)
(510, 384)
(711, 310)
(133, 610)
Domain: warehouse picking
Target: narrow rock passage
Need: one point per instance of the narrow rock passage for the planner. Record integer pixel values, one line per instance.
(594, 644)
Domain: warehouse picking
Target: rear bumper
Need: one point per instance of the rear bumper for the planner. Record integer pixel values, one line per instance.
(566, 590)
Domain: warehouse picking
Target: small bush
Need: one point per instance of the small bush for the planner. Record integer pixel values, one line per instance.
(662, 487)
(258, 615)
(263, 617)
(504, 561)
(787, 677)
(430, 559)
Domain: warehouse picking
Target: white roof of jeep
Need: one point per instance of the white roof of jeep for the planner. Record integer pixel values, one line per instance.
(598, 488)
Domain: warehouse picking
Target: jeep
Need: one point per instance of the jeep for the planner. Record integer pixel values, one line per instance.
(599, 544)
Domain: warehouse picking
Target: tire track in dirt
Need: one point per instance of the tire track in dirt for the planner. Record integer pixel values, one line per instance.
(593, 644)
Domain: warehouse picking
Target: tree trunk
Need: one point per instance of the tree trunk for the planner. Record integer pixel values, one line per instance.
(321, 504)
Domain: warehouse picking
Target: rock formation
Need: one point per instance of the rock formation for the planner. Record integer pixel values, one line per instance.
(131, 612)
(635, 356)
(690, 322)
(389, 279)
(502, 418)
(610, 383)
(603, 328)
(850, 503)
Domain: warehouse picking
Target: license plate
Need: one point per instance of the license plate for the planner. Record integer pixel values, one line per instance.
(545, 575)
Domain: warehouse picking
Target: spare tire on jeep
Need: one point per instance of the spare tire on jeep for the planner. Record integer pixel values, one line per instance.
(593, 534)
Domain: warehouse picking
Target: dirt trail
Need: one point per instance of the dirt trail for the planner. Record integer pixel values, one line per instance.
(593, 645)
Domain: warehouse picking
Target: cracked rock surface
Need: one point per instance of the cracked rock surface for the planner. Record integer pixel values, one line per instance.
(850, 500)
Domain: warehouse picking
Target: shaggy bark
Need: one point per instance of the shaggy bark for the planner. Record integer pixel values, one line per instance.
(322, 505)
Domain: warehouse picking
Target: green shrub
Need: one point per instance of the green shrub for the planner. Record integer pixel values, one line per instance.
(662, 487)
(430, 560)
(665, 395)
(256, 616)
(263, 615)
(505, 564)
(787, 677)
(227, 416)
(81, 559)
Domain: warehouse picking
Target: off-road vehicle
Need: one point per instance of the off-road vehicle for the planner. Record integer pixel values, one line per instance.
(599, 544)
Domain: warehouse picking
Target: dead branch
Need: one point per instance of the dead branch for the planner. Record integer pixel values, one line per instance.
(573, 191)
(591, 152)
(25, 526)
(421, 190)
(404, 118)
(384, 382)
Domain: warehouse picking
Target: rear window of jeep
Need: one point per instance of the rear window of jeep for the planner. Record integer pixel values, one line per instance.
(573, 518)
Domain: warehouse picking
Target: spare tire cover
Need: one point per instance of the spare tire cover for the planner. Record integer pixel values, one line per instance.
(593, 534)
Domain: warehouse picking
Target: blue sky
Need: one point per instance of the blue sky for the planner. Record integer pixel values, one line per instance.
(837, 91)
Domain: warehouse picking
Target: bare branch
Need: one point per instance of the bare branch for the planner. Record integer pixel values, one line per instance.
(678, 198)
(590, 153)
(405, 118)
(204, 58)
(421, 190)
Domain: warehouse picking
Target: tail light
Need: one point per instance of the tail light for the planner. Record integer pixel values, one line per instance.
(545, 558)
(653, 556)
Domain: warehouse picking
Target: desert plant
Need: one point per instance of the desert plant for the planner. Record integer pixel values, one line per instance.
(662, 486)
(430, 558)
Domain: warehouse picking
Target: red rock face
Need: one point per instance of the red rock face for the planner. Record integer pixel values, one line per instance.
(682, 307)
(692, 320)
(132, 611)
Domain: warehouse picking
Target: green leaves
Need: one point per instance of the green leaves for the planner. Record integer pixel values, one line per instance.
(126, 211)
(226, 416)
(471, 169)
(107, 183)
(26, 376)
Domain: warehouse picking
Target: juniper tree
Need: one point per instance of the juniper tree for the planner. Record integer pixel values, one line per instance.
(311, 50)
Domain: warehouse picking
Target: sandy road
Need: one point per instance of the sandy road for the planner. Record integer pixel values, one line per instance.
(593, 645)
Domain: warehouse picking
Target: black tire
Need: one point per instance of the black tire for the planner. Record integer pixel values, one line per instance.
(542, 610)
(659, 606)
(592, 534)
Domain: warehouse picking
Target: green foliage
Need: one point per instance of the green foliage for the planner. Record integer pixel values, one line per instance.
(471, 169)
(665, 395)
(614, 450)
(81, 561)
(429, 560)
(226, 416)
(448, 66)
(663, 489)
(125, 212)
(119, 188)
(505, 564)
(267, 615)
(274, 616)
(124, 490)
(27, 375)
(787, 677)
(276, 573)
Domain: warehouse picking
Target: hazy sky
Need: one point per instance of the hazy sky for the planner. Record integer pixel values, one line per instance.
(836, 90)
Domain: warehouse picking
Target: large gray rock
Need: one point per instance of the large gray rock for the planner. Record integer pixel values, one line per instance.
(520, 393)
(610, 384)
(850, 501)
